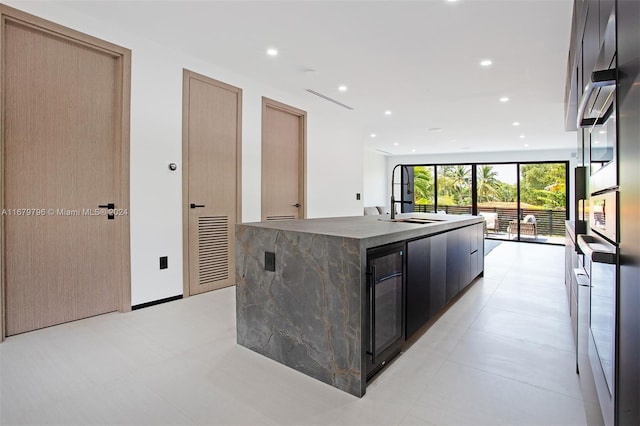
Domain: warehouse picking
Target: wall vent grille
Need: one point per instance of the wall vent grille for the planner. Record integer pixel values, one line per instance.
(213, 249)
(313, 92)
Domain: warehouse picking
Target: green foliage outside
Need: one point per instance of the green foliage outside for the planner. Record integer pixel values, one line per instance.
(541, 185)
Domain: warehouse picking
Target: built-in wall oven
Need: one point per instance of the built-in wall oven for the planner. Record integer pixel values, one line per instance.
(385, 305)
(601, 266)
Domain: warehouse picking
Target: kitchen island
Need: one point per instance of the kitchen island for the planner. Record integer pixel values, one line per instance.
(302, 295)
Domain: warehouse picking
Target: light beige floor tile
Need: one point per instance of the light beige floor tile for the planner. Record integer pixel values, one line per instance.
(461, 395)
(538, 329)
(541, 366)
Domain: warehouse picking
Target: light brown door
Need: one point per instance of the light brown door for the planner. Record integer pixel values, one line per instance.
(65, 146)
(283, 161)
(211, 177)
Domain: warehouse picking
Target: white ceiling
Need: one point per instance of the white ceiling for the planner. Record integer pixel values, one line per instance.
(419, 59)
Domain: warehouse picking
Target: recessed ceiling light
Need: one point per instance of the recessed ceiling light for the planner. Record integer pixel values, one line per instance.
(342, 88)
(596, 142)
(486, 62)
(413, 150)
(396, 144)
(602, 132)
(373, 135)
(387, 112)
(526, 145)
(515, 123)
(451, 1)
(435, 129)
(504, 99)
(521, 136)
(272, 52)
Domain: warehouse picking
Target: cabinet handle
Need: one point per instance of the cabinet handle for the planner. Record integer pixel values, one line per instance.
(598, 79)
(596, 255)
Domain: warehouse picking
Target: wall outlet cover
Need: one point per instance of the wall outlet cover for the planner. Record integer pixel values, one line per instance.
(269, 261)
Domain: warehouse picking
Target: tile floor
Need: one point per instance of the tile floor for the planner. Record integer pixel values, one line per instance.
(501, 355)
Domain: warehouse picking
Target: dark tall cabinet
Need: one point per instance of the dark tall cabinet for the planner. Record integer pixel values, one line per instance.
(628, 48)
(606, 34)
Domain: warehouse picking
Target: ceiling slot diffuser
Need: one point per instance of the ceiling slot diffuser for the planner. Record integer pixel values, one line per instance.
(313, 92)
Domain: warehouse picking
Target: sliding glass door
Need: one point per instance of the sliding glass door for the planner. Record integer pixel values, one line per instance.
(543, 201)
(497, 195)
(520, 201)
(454, 189)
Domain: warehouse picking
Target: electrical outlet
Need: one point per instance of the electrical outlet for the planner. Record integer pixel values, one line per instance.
(164, 262)
(269, 261)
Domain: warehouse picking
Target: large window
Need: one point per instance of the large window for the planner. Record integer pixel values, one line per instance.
(520, 201)
(454, 189)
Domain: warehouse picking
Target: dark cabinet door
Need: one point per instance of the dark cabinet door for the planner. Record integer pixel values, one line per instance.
(477, 250)
(418, 277)
(438, 274)
(591, 39)
(454, 263)
(467, 234)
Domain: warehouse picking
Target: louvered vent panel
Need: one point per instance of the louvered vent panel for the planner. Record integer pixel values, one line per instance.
(280, 217)
(213, 249)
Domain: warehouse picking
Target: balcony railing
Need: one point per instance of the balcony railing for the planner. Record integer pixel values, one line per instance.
(548, 221)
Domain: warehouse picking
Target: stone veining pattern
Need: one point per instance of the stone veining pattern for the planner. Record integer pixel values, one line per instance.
(306, 314)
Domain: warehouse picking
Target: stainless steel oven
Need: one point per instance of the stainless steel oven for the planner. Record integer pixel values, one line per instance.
(603, 215)
(601, 265)
(597, 115)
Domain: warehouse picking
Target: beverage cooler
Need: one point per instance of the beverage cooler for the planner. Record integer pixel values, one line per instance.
(385, 305)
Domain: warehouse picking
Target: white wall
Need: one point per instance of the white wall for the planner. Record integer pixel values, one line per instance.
(334, 149)
(375, 179)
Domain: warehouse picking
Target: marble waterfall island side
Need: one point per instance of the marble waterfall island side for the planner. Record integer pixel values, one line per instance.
(301, 290)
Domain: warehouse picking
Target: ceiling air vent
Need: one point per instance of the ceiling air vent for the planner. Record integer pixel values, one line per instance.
(313, 92)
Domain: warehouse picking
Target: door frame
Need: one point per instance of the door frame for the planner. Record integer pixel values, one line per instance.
(186, 76)
(123, 89)
(302, 153)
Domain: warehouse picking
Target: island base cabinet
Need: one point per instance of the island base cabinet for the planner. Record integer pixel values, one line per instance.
(438, 274)
(438, 268)
(418, 287)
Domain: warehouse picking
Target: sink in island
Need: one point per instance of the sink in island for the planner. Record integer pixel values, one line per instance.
(314, 295)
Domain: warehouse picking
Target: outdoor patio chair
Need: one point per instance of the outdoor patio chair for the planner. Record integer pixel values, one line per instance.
(490, 222)
(527, 227)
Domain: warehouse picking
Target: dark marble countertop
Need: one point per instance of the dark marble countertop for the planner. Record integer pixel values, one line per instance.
(373, 227)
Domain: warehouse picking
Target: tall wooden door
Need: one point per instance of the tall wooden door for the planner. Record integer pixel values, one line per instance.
(65, 140)
(283, 161)
(211, 153)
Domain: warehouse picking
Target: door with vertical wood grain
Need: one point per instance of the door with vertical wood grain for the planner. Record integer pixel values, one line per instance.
(283, 161)
(65, 154)
(211, 177)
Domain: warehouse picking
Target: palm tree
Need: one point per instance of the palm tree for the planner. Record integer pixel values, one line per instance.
(459, 177)
(487, 184)
(423, 185)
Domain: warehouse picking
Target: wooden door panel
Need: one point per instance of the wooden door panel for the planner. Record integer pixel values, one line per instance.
(212, 153)
(282, 161)
(60, 125)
